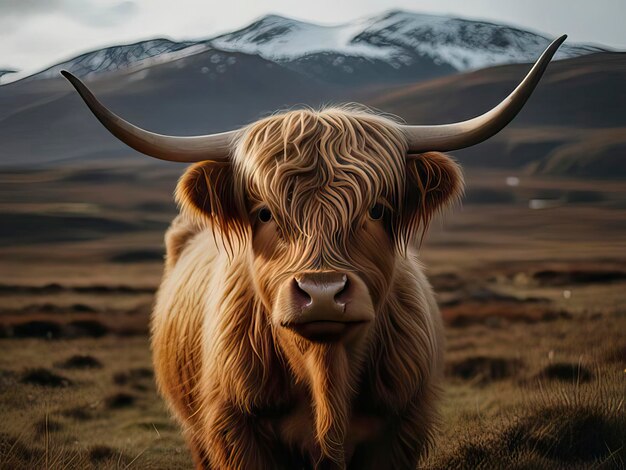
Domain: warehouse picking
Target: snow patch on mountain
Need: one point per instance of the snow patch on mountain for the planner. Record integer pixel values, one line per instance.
(116, 58)
(276, 38)
(464, 44)
(6, 73)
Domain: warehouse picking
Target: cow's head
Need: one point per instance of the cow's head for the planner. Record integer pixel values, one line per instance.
(323, 203)
(318, 207)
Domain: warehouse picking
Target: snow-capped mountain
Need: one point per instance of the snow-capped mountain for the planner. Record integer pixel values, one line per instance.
(397, 37)
(116, 57)
(395, 46)
(111, 59)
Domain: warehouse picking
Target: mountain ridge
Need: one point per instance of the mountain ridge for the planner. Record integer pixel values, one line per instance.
(398, 44)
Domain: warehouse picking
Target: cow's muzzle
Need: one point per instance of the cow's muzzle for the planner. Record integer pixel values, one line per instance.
(323, 301)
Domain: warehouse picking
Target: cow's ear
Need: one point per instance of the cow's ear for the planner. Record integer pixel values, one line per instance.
(206, 195)
(433, 181)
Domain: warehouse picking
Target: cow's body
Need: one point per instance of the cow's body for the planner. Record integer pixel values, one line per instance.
(249, 404)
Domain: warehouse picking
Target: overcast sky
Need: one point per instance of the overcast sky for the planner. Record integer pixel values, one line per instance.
(38, 33)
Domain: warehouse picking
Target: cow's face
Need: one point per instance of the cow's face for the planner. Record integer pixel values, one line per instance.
(323, 204)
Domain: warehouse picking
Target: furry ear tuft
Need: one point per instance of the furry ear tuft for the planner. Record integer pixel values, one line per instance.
(206, 196)
(433, 181)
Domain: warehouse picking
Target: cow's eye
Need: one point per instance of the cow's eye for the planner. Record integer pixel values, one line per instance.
(377, 212)
(265, 215)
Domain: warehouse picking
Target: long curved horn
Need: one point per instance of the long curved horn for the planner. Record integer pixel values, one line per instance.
(473, 131)
(215, 147)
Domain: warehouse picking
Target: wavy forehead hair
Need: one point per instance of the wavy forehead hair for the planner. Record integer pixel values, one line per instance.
(320, 171)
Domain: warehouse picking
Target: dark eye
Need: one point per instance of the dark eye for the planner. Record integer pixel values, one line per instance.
(377, 212)
(265, 215)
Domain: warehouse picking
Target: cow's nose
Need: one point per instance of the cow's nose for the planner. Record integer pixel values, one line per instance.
(321, 292)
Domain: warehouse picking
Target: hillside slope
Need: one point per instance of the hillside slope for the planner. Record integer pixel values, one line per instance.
(46, 122)
(574, 124)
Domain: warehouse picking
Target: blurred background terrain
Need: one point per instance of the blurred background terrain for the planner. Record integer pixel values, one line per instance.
(530, 271)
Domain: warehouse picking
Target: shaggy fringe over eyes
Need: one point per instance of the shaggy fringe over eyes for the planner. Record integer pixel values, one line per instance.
(324, 169)
(319, 172)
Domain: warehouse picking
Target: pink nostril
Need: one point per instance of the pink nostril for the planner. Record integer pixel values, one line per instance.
(343, 295)
(301, 297)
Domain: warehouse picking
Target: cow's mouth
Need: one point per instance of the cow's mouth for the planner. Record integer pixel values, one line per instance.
(325, 331)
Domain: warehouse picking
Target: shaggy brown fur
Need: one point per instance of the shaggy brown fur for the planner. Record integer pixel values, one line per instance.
(250, 394)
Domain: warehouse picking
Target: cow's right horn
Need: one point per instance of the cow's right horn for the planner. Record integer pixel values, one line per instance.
(215, 147)
(446, 137)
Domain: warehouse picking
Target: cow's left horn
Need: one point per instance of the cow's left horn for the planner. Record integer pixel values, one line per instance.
(215, 147)
(463, 134)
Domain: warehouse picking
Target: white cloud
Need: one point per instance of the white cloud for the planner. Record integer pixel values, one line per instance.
(90, 12)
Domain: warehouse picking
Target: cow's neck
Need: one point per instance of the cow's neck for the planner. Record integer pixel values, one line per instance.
(330, 377)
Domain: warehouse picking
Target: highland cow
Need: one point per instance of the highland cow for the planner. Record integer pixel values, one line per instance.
(294, 326)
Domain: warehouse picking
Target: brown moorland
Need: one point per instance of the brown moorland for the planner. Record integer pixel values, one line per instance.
(534, 302)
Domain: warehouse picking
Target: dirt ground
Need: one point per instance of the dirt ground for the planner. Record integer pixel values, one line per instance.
(530, 276)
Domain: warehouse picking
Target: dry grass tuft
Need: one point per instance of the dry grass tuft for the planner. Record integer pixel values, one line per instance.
(616, 354)
(552, 277)
(565, 433)
(483, 370)
(100, 453)
(120, 400)
(80, 361)
(46, 425)
(138, 378)
(138, 256)
(500, 312)
(78, 413)
(45, 378)
(87, 328)
(15, 453)
(576, 430)
(566, 372)
(447, 282)
(37, 329)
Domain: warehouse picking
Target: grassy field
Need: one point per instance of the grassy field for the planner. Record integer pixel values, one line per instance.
(534, 301)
